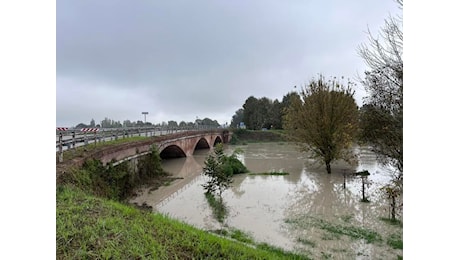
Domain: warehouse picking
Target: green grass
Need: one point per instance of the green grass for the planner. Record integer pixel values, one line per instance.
(351, 231)
(335, 230)
(235, 234)
(89, 227)
(241, 236)
(395, 241)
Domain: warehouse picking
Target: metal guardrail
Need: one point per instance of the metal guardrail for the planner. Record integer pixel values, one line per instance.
(67, 138)
(72, 136)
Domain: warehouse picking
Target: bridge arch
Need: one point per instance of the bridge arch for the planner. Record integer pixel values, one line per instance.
(172, 151)
(217, 140)
(202, 144)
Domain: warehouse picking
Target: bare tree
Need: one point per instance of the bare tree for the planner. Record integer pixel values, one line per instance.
(381, 117)
(382, 114)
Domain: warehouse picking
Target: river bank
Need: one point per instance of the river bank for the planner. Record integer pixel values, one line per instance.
(89, 225)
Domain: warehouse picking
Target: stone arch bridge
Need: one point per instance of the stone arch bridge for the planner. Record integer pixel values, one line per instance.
(181, 144)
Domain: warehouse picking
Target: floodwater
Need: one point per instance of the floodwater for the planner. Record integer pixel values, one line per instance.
(307, 211)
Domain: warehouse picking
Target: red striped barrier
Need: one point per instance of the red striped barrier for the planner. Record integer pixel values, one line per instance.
(62, 128)
(89, 129)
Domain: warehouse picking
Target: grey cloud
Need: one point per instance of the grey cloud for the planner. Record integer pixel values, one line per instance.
(199, 58)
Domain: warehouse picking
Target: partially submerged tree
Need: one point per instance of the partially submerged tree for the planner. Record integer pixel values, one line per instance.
(382, 113)
(393, 191)
(381, 119)
(220, 168)
(324, 120)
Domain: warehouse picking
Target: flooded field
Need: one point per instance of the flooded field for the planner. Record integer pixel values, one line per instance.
(307, 211)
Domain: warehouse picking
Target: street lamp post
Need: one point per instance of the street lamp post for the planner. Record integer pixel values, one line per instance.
(145, 116)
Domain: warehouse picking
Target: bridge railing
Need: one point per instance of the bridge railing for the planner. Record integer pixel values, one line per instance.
(69, 138)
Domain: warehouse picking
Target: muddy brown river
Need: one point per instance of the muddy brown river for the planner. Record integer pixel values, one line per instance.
(307, 211)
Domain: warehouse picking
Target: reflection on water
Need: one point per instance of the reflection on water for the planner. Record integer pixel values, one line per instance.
(293, 211)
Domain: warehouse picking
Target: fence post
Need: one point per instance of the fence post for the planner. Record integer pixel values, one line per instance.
(86, 139)
(73, 139)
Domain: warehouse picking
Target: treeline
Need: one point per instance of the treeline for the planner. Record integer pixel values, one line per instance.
(109, 123)
(262, 113)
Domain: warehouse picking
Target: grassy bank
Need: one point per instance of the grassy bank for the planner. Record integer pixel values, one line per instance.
(243, 136)
(90, 227)
(93, 222)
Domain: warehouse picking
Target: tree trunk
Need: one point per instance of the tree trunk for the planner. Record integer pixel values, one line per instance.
(328, 167)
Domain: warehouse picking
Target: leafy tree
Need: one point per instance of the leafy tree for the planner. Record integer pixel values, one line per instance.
(265, 113)
(286, 102)
(220, 168)
(276, 115)
(172, 123)
(127, 123)
(209, 122)
(250, 117)
(382, 115)
(109, 123)
(219, 175)
(237, 118)
(259, 113)
(393, 190)
(324, 120)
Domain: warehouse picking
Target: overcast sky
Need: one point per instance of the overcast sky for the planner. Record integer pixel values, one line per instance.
(179, 60)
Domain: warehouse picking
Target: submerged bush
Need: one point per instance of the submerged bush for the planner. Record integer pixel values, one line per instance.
(219, 168)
